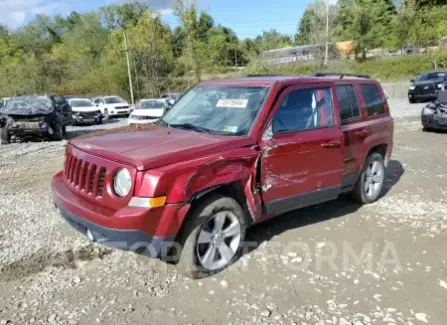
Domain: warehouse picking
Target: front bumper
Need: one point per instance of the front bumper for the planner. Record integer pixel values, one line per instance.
(29, 129)
(120, 112)
(417, 95)
(150, 232)
(434, 121)
(133, 121)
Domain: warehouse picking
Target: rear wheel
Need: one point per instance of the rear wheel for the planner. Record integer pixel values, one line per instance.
(212, 237)
(370, 183)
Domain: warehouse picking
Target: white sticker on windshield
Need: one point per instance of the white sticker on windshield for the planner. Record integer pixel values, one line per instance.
(235, 103)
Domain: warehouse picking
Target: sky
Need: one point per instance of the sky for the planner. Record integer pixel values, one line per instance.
(248, 18)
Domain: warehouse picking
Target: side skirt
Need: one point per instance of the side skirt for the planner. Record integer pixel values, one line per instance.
(281, 206)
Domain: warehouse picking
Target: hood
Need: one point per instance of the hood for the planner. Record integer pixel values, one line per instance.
(85, 109)
(151, 146)
(158, 112)
(29, 111)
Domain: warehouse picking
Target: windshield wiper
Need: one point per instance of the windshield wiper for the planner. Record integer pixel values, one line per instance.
(189, 126)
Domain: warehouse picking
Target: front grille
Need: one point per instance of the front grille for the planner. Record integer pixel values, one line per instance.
(423, 88)
(84, 176)
(122, 107)
(147, 117)
(89, 114)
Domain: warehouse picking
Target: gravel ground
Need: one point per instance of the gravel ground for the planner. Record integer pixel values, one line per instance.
(49, 274)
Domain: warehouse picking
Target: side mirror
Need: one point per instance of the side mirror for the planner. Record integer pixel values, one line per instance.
(412, 80)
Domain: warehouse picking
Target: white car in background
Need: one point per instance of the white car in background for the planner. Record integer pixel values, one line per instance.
(84, 111)
(112, 106)
(148, 111)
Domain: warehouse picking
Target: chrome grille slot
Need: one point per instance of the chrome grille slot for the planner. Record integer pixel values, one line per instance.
(92, 176)
(102, 177)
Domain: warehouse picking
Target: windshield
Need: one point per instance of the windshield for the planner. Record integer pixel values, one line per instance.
(152, 104)
(18, 103)
(81, 103)
(218, 109)
(430, 76)
(113, 100)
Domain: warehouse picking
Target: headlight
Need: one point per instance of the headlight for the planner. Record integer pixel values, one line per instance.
(412, 87)
(440, 86)
(122, 183)
(428, 111)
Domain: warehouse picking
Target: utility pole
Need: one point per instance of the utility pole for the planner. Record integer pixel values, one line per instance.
(128, 68)
(327, 34)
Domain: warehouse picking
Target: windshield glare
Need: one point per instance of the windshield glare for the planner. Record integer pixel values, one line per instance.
(151, 104)
(431, 76)
(113, 100)
(81, 103)
(28, 102)
(221, 109)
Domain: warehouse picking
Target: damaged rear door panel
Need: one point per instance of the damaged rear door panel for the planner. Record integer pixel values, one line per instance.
(302, 151)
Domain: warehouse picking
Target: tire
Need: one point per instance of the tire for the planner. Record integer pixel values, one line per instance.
(58, 134)
(4, 136)
(106, 114)
(374, 165)
(412, 101)
(64, 130)
(99, 121)
(193, 262)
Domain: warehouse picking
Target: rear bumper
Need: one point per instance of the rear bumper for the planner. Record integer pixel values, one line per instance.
(148, 231)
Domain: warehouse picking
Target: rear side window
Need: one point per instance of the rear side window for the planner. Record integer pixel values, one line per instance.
(373, 99)
(349, 105)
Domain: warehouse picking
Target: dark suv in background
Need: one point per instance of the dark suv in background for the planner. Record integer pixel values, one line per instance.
(426, 86)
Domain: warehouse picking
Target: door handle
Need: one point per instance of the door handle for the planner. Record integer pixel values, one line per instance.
(362, 133)
(331, 144)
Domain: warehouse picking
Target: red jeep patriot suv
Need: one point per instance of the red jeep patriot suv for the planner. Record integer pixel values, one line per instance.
(227, 155)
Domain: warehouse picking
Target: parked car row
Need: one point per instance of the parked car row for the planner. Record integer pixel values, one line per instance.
(46, 117)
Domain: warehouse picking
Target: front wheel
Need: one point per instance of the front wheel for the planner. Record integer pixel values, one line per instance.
(106, 114)
(370, 182)
(58, 132)
(212, 237)
(4, 136)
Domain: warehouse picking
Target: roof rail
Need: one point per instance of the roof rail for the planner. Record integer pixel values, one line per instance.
(341, 75)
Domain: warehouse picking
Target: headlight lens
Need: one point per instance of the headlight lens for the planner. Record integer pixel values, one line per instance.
(412, 87)
(440, 86)
(122, 182)
(428, 111)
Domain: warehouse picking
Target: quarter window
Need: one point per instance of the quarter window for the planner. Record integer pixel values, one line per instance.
(373, 100)
(349, 105)
(305, 109)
